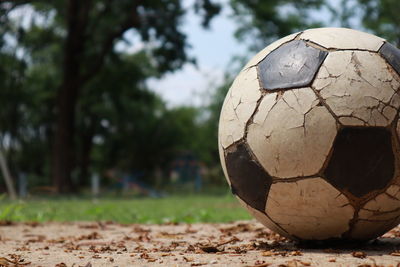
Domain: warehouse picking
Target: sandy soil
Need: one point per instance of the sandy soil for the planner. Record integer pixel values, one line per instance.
(238, 244)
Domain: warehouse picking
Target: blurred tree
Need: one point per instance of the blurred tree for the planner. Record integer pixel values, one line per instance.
(209, 136)
(379, 16)
(66, 44)
(262, 22)
(115, 111)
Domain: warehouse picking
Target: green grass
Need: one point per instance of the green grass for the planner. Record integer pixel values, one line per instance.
(188, 209)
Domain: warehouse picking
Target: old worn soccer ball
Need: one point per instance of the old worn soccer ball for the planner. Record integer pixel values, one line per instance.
(309, 135)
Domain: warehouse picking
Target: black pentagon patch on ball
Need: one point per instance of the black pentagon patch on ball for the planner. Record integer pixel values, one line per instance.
(392, 55)
(292, 65)
(249, 181)
(362, 160)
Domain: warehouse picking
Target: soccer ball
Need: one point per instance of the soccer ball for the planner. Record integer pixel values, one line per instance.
(309, 135)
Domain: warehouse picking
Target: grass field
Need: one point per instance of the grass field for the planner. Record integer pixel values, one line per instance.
(188, 209)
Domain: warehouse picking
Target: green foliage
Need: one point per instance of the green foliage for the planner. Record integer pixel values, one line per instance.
(188, 209)
(262, 22)
(379, 16)
(209, 134)
(61, 73)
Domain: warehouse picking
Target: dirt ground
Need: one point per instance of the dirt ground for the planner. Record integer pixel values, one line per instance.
(245, 243)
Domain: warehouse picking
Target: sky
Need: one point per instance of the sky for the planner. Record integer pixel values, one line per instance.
(213, 50)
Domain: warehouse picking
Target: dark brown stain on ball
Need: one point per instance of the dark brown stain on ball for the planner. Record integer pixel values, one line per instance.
(292, 65)
(362, 160)
(249, 180)
(392, 55)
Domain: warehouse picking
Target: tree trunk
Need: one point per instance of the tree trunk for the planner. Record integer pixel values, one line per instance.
(63, 147)
(67, 96)
(73, 80)
(86, 149)
(7, 176)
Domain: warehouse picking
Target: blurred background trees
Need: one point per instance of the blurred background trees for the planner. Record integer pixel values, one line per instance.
(69, 85)
(377, 16)
(73, 103)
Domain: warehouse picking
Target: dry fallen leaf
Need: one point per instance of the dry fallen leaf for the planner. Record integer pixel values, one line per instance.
(5, 262)
(188, 259)
(210, 249)
(260, 265)
(6, 223)
(359, 254)
(91, 236)
(305, 263)
(15, 263)
(268, 253)
(395, 253)
(296, 253)
(232, 240)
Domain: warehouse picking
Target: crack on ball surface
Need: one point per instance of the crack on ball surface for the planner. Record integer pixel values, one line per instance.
(239, 107)
(320, 212)
(358, 96)
(343, 39)
(309, 146)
